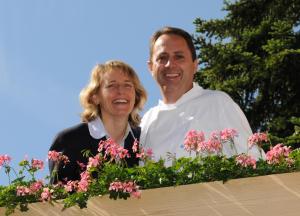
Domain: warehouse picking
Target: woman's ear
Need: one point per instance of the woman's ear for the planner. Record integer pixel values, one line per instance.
(95, 99)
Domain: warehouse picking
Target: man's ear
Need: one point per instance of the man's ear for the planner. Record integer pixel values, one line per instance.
(196, 62)
(150, 64)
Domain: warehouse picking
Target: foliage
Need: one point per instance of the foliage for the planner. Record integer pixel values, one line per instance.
(292, 140)
(253, 54)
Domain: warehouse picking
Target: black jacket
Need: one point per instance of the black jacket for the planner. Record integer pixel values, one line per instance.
(72, 141)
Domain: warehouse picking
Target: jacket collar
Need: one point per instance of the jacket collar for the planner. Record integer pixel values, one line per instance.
(97, 129)
(194, 92)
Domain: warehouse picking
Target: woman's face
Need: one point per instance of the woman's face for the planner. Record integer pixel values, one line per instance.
(116, 94)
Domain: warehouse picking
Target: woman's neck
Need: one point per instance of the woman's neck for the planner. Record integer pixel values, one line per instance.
(115, 127)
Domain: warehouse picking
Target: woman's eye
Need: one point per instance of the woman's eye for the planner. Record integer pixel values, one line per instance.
(111, 86)
(128, 85)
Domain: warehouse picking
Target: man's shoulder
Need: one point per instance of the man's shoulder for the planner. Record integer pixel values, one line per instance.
(148, 116)
(215, 95)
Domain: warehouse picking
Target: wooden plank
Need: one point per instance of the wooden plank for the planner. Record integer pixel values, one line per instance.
(264, 195)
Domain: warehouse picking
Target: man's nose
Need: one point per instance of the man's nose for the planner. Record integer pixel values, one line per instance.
(169, 63)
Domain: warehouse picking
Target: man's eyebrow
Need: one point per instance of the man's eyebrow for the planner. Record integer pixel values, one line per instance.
(179, 52)
(162, 53)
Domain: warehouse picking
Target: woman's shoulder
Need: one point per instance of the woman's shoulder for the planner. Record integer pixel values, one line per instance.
(77, 129)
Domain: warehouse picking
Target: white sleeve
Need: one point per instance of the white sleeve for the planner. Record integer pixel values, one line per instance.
(238, 121)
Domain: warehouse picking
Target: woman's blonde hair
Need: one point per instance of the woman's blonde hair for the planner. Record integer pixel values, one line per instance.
(91, 110)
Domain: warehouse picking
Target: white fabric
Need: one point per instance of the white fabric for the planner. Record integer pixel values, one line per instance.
(165, 125)
(97, 130)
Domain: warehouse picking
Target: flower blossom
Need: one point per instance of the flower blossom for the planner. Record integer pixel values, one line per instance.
(213, 145)
(4, 159)
(23, 191)
(113, 150)
(228, 134)
(278, 154)
(57, 157)
(83, 184)
(126, 187)
(71, 186)
(46, 195)
(246, 160)
(37, 164)
(36, 186)
(116, 186)
(94, 161)
(81, 165)
(257, 139)
(192, 140)
(145, 155)
(149, 153)
(135, 146)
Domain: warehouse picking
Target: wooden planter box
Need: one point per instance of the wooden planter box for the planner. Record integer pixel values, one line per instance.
(263, 195)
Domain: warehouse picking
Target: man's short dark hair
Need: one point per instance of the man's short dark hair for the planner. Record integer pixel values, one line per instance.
(174, 31)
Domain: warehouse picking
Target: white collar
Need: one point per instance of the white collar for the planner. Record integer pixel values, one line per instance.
(194, 92)
(97, 130)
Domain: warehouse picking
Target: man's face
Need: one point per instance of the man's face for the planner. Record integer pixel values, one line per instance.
(172, 66)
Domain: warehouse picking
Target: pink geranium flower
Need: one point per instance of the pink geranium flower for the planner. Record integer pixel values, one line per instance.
(57, 157)
(126, 187)
(94, 161)
(145, 155)
(149, 153)
(228, 134)
(192, 140)
(135, 146)
(246, 160)
(4, 159)
(71, 186)
(23, 191)
(37, 164)
(214, 144)
(83, 184)
(257, 139)
(36, 186)
(113, 150)
(278, 153)
(116, 186)
(81, 165)
(46, 195)
(54, 155)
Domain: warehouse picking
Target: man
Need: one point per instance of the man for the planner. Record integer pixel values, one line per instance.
(185, 105)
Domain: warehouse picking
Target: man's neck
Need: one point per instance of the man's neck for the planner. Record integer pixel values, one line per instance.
(171, 96)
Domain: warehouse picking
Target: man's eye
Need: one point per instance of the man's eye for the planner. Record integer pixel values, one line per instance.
(162, 59)
(179, 57)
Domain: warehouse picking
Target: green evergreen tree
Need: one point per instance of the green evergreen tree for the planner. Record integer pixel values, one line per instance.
(253, 54)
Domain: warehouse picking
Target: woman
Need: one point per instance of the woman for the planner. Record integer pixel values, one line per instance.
(111, 102)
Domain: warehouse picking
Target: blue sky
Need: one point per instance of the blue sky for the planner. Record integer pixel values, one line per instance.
(48, 48)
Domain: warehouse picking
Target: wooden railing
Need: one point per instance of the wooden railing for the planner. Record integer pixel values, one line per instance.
(264, 195)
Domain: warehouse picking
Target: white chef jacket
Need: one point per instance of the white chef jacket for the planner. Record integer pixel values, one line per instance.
(165, 126)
